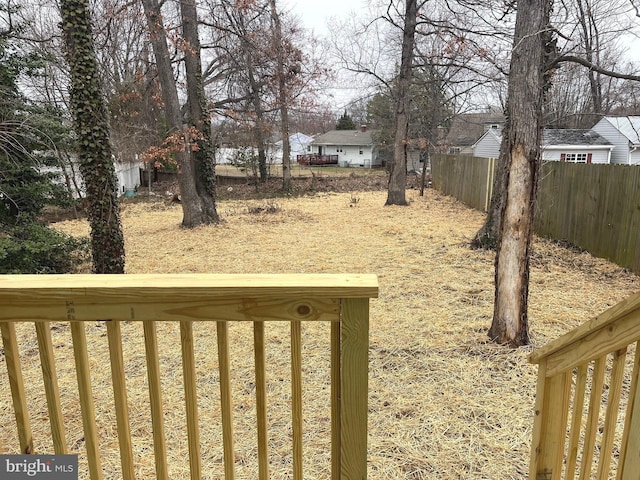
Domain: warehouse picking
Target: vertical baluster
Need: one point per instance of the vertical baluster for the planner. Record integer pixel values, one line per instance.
(155, 399)
(226, 400)
(120, 398)
(16, 382)
(576, 421)
(335, 400)
(261, 400)
(611, 416)
(52, 392)
(597, 381)
(296, 397)
(629, 464)
(81, 356)
(191, 399)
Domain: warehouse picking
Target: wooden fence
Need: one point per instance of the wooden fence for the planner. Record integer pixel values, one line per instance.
(587, 413)
(78, 300)
(595, 207)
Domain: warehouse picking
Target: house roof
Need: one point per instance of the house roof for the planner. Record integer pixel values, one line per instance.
(561, 136)
(344, 137)
(297, 137)
(551, 137)
(467, 128)
(628, 126)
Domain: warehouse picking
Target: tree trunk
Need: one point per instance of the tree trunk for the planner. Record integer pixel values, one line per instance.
(398, 173)
(487, 236)
(523, 134)
(94, 148)
(260, 124)
(204, 156)
(282, 97)
(193, 211)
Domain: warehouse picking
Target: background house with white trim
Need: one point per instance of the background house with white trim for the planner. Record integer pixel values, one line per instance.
(354, 148)
(565, 145)
(624, 134)
(298, 143)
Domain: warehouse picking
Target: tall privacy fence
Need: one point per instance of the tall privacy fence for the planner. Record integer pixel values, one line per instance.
(595, 207)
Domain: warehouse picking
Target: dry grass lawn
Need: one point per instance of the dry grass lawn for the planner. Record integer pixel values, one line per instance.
(444, 403)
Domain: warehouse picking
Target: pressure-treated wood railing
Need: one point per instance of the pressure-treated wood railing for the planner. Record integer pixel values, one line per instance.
(587, 413)
(342, 300)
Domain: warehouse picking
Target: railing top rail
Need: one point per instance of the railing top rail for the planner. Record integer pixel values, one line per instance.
(254, 285)
(578, 335)
(179, 296)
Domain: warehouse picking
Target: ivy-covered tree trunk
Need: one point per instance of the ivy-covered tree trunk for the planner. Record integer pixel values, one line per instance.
(204, 167)
(92, 128)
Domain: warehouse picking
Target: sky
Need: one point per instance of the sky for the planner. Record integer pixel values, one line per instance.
(316, 15)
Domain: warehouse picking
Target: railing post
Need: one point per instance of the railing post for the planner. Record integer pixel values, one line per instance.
(354, 388)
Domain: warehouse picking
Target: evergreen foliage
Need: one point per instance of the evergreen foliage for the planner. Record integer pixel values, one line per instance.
(345, 122)
(26, 131)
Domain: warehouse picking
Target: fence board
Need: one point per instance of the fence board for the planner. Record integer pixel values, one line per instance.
(595, 207)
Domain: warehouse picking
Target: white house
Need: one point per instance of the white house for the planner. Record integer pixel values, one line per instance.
(298, 142)
(353, 148)
(624, 134)
(127, 175)
(565, 145)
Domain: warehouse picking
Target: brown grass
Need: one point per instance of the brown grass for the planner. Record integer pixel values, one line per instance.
(444, 402)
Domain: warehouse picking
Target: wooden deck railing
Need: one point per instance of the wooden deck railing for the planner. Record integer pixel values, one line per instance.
(315, 159)
(342, 300)
(587, 413)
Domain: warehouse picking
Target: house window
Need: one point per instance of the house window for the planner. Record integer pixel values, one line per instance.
(361, 151)
(575, 157)
(339, 149)
(308, 148)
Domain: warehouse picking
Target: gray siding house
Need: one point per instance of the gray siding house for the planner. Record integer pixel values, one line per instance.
(624, 134)
(564, 145)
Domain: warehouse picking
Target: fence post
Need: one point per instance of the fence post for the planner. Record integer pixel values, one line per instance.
(491, 169)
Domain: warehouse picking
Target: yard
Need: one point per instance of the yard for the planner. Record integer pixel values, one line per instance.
(444, 403)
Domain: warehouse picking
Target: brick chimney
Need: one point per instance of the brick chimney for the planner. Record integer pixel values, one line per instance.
(363, 128)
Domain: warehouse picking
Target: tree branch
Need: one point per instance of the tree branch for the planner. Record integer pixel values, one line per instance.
(595, 68)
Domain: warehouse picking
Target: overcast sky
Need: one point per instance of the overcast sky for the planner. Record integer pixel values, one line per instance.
(317, 14)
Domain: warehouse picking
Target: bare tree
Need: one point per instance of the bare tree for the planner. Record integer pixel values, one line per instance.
(195, 210)
(398, 170)
(279, 50)
(522, 153)
(199, 118)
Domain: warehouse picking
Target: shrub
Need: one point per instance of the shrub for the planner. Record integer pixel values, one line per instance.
(35, 248)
